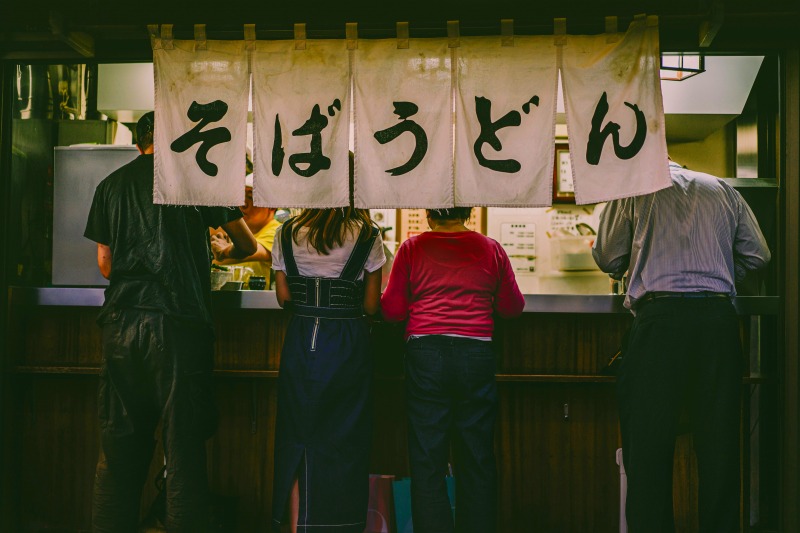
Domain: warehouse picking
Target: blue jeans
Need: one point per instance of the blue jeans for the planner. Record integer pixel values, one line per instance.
(451, 392)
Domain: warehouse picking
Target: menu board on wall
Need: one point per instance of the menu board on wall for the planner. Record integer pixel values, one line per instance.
(565, 188)
(475, 222)
(413, 222)
(519, 242)
(573, 220)
(564, 221)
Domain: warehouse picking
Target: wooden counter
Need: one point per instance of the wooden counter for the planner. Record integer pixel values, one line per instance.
(557, 426)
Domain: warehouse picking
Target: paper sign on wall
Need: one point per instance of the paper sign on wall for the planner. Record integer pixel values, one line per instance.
(519, 242)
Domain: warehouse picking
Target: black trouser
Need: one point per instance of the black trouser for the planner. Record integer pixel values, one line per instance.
(682, 354)
(154, 369)
(450, 391)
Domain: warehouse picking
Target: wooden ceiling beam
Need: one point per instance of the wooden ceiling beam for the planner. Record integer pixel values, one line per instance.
(107, 37)
(712, 24)
(83, 43)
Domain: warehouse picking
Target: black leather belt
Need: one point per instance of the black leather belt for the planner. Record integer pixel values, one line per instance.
(655, 295)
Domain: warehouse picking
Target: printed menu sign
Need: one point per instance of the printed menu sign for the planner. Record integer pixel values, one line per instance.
(565, 184)
(564, 220)
(519, 242)
(412, 222)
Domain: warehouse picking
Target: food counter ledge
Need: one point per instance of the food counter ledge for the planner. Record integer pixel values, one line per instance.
(222, 300)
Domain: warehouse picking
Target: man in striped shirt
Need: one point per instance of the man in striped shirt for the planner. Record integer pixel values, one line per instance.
(684, 248)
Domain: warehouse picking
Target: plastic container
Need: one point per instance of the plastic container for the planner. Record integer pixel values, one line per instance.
(573, 252)
(220, 278)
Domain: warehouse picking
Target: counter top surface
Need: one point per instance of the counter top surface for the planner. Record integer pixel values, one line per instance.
(227, 300)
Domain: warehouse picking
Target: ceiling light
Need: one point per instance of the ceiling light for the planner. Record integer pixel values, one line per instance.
(678, 66)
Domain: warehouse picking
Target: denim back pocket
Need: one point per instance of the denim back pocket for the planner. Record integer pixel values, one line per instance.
(424, 363)
(480, 361)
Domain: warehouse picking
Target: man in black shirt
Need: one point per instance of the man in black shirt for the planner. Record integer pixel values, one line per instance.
(157, 342)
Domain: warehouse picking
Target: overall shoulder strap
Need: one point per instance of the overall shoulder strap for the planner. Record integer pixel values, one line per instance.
(287, 248)
(358, 257)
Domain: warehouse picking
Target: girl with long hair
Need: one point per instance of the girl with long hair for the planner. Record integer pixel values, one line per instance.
(328, 273)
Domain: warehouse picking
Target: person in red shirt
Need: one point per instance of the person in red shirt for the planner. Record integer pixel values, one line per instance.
(448, 284)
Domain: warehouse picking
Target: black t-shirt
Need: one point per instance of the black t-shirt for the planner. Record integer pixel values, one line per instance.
(160, 254)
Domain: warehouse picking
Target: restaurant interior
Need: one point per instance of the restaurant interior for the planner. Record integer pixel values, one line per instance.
(77, 77)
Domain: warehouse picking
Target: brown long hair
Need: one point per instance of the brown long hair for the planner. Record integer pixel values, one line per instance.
(328, 227)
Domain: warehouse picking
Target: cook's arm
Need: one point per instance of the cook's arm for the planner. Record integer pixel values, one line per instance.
(219, 245)
(243, 243)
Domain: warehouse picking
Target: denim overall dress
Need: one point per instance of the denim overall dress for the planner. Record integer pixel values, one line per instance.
(324, 422)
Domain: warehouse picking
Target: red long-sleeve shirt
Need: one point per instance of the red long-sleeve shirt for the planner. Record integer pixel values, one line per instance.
(451, 283)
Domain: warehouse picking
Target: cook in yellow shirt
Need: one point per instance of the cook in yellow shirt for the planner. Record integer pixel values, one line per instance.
(261, 221)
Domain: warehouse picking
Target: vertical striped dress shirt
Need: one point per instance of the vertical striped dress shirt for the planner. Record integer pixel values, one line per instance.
(697, 235)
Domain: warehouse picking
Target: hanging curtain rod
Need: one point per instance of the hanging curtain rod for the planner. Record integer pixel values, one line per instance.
(366, 31)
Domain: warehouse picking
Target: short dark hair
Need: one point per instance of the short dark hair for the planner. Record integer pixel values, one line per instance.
(451, 213)
(144, 130)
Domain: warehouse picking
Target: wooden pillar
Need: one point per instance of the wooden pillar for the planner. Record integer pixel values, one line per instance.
(5, 172)
(790, 175)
